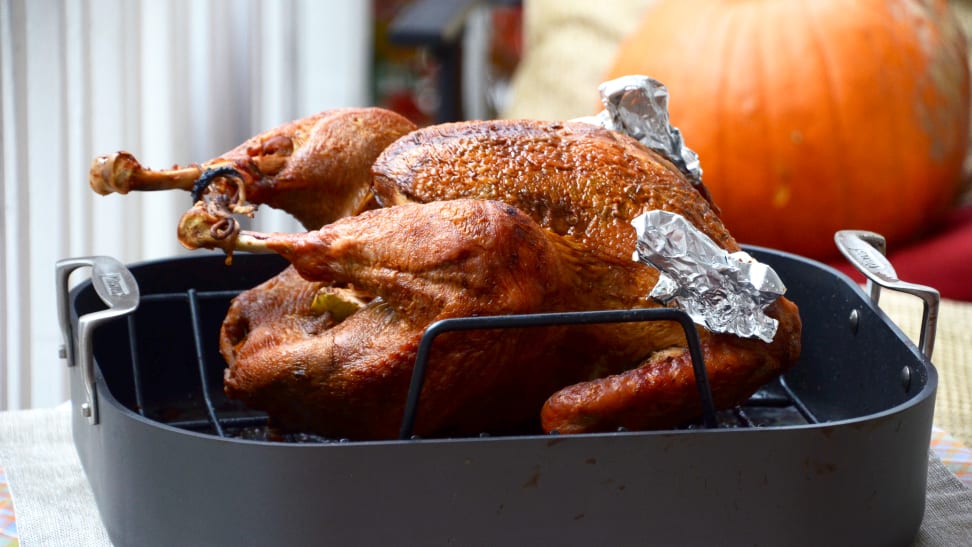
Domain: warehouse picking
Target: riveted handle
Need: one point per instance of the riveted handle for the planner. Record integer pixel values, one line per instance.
(866, 251)
(116, 287)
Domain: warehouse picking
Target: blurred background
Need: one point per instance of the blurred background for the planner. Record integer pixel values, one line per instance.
(181, 81)
(177, 82)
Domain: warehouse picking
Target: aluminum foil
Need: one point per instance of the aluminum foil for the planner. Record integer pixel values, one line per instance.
(638, 107)
(725, 292)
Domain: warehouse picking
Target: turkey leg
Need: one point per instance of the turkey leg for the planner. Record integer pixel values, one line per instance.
(317, 168)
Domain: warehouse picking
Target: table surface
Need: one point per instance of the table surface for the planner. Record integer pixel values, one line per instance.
(948, 507)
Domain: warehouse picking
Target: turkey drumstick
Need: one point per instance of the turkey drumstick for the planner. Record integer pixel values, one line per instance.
(317, 168)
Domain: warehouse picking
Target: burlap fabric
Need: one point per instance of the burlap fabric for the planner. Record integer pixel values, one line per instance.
(952, 357)
(568, 46)
(53, 502)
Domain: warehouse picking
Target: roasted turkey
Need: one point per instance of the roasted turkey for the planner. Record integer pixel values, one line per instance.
(477, 218)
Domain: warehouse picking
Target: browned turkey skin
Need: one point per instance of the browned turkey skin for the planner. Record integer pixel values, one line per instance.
(320, 367)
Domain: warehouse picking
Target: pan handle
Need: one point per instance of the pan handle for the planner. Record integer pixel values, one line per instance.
(866, 251)
(116, 286)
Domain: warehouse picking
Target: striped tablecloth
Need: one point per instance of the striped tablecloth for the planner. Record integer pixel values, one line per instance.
(956, 456)
(8, 524)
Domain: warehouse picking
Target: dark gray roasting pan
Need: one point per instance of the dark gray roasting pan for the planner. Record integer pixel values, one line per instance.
(834, 453)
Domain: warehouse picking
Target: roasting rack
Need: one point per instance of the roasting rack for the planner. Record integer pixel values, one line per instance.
(773, 404)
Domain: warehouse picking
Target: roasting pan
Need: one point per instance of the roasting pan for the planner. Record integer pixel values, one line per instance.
(835, 452)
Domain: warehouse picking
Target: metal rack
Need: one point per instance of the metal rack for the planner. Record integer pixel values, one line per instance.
(774, 404)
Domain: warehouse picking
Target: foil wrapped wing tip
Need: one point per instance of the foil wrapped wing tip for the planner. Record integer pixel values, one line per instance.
(725, 292)
(638, 106)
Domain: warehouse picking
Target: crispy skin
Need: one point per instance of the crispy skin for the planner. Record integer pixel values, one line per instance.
(573, 178)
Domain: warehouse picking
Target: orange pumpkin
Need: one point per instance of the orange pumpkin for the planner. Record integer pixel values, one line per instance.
(811, 116)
